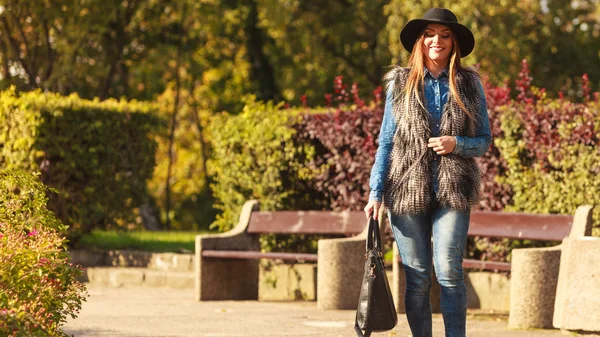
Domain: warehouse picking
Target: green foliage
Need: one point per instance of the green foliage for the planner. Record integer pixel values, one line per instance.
(255, 158)
(276, 49)
(312, 42)
(97, 155)
(558, 174)
(559, 38)
(38, 285)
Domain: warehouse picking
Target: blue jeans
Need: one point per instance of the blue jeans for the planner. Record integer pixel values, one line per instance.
(413, 235)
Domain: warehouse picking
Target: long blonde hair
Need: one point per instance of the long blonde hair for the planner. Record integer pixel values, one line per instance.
(415, 83)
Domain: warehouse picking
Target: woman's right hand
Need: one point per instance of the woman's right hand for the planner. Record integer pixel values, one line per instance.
(372, 208)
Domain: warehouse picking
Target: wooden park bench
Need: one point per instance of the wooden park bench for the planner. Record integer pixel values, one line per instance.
(227, 264)
(518, 226)
(521, 226)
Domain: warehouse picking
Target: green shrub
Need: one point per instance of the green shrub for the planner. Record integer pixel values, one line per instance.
(552, 151)
(255, 158)
(38, 284)
(98, 155)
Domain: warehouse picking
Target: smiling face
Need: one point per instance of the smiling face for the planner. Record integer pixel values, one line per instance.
(437, 43)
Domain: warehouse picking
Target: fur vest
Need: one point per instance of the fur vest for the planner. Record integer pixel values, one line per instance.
(409, 183)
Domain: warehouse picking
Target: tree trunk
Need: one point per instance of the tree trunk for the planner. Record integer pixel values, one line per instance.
(174, 118)
(149, 218)
(261, 70)
(203, 144)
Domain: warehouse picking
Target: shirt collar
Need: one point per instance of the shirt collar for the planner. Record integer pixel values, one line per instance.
(444, 73)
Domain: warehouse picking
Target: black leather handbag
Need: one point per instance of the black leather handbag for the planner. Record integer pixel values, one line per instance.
(376, 311)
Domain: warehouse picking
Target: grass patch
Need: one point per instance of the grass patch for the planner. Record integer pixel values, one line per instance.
(172, 241)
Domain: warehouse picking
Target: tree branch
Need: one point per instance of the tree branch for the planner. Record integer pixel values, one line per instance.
(49, 52)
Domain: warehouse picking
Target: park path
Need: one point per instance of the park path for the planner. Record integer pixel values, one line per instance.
(154, 312)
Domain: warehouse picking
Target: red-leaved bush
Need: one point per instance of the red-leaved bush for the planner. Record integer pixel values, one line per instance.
(345, 140)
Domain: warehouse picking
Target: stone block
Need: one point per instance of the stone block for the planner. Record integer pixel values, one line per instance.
(98, 276)
(172, 262)
(287, 282)
(88, 258)
(577, 305)
(179, 280)
(155, 279)
(126, 277)
(487, 290)
(128, 258)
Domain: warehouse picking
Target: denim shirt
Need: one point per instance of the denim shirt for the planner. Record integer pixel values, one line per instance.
(436, 96)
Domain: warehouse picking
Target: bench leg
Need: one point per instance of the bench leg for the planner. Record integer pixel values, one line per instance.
(226, 279)
(534, 276)
(577, 305)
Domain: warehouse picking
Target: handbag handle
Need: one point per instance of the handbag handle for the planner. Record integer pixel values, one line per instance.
(373, 236)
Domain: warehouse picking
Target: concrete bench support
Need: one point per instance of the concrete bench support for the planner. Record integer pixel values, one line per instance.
(340, 270)
(577, 305)
(534, 278)
(228, 279)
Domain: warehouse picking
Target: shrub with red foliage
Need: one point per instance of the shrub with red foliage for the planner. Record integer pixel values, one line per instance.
(345, 139)
(495, 195)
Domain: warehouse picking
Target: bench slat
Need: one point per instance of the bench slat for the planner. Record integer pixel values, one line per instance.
(237, 254)
(486, 265)
(302, 222)
(544, 227)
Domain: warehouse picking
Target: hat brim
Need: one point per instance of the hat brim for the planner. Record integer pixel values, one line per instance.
(411, 31)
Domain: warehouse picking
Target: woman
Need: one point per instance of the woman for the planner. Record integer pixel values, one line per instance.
(435, 122)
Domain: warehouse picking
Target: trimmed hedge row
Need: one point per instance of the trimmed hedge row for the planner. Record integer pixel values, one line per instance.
(255, 157)
(97, 155)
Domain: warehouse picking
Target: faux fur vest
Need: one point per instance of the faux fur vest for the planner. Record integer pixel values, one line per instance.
(409, 182)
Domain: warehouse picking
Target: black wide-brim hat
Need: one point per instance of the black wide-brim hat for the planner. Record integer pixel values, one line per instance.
(412, 30)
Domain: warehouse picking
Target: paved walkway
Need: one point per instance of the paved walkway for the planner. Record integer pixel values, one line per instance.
(141, 312)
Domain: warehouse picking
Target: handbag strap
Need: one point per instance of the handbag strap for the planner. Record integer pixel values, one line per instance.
(373, 236)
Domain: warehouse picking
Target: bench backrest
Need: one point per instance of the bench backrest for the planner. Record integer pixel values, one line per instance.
(543, 227)
(307, 222)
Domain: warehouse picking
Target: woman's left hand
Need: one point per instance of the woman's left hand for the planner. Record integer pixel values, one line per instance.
(442, 145)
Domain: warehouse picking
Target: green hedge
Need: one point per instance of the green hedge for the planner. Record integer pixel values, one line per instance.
(97, 155)
(255, 157)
